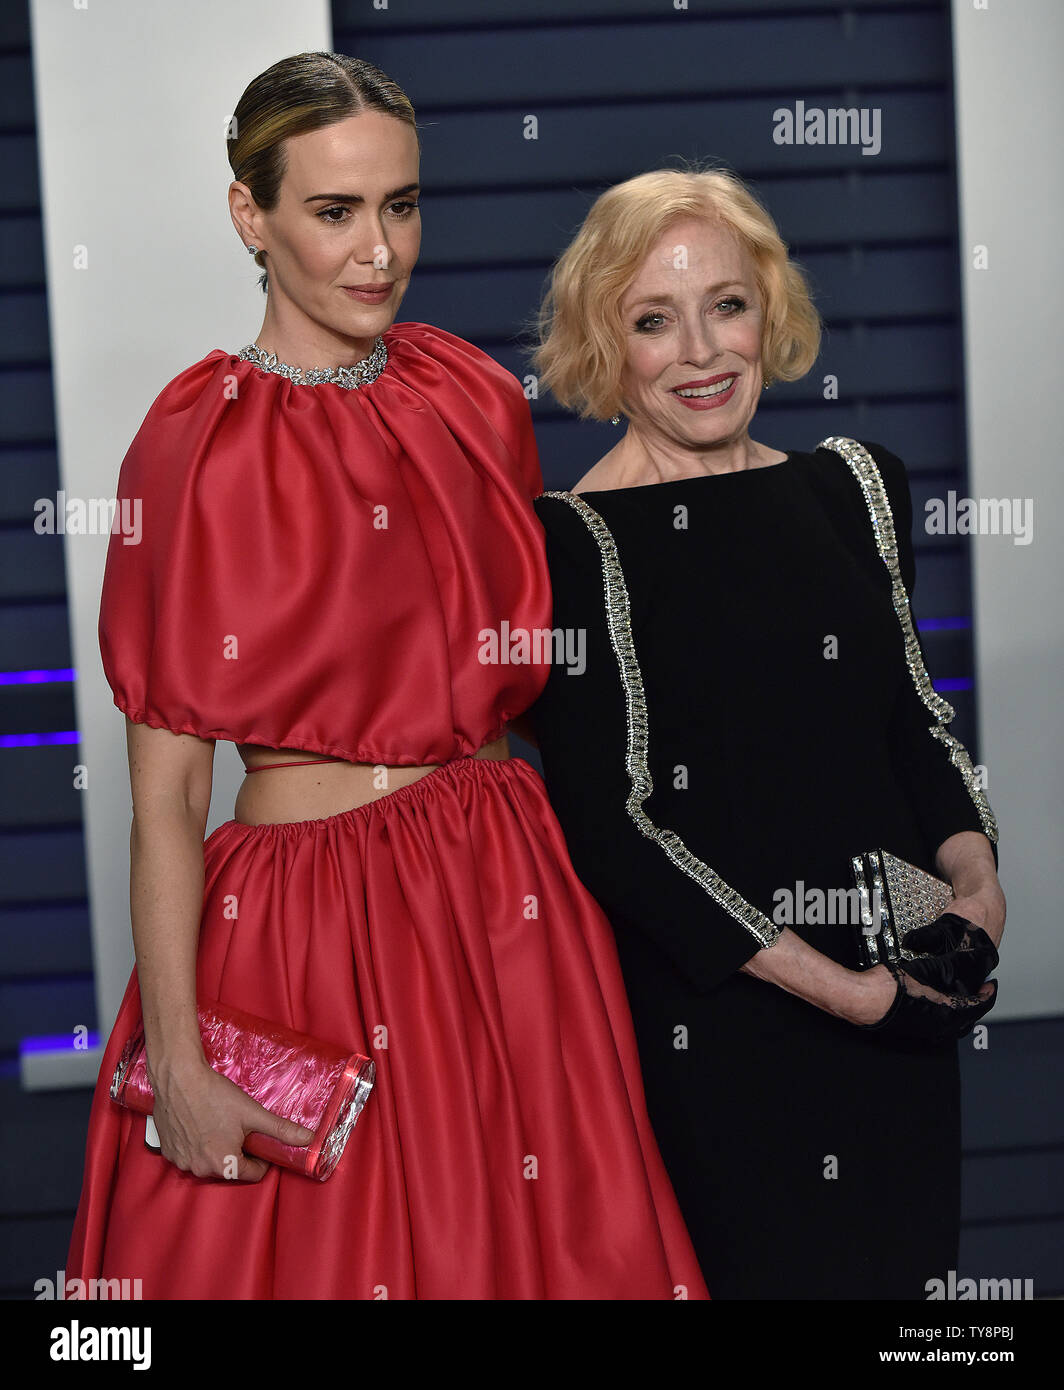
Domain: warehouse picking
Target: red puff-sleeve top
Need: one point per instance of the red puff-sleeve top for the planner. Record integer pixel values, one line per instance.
(318, 567)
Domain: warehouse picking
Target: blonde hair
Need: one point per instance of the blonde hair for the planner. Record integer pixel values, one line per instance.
(305, 92)
(581, 349)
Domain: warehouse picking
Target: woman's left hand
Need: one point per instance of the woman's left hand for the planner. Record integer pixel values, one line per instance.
(959, 955)
(986, 909)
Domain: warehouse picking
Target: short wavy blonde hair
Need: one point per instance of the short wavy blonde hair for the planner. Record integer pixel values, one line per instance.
(581, 348)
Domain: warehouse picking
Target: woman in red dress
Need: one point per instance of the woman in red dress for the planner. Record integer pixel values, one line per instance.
(325, 555)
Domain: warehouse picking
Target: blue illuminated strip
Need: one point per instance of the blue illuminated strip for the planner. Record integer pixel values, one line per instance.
(62, 675)
(953, 683)
(36, 740)
(942, 624)
(948, 625)
(60, 1042)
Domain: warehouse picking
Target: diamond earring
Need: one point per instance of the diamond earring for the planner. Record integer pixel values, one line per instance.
(253, 250)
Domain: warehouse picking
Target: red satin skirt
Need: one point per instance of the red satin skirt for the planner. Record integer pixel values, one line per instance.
(505, 1150)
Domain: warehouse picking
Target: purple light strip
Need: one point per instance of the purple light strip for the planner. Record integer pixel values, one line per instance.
(60, 676)
(58, 1042)
(36, 740)
(941, 624)
(953, 683)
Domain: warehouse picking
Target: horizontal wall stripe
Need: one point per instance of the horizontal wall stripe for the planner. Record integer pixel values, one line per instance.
(42, 937)
(429, 18)
(550, 65)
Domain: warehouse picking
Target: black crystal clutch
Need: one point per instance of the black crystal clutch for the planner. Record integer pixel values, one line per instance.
(896, 897)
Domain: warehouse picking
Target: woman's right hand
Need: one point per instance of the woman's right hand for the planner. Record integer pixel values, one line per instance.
(885, 998)
(892, 1000)
(203, 1118)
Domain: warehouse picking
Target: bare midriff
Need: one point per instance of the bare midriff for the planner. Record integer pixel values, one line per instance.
(305, 790)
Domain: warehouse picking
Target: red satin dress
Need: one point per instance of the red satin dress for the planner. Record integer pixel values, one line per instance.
(317, 569)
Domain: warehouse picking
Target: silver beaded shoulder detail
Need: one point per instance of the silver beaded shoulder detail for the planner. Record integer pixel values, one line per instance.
(618, 617)
(863, 466)
(350, 378)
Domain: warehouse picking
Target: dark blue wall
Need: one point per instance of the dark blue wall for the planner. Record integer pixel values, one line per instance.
(618, 86)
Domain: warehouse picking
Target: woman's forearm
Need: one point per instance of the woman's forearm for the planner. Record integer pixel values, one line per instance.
(967, 860)
(795, 966)
(166, 900)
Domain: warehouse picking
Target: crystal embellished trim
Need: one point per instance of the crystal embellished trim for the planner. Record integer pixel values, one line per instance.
(863, 467)
(908, 897)
(618, 616)
(350, 378)
(336, 1142)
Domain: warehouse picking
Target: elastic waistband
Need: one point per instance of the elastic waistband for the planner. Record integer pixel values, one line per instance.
(458, 769)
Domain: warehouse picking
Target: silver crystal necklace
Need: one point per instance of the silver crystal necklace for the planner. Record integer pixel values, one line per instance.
(350, 378)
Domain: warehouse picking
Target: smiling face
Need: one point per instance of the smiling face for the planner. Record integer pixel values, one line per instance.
(345, 234)
(693, 320)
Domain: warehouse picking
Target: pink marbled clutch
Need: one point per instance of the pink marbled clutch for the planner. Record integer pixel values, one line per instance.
(302, 1078)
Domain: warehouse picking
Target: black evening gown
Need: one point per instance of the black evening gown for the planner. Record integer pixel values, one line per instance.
(786, 732)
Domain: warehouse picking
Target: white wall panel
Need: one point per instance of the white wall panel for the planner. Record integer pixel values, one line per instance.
(132, 101)
(1008, 56)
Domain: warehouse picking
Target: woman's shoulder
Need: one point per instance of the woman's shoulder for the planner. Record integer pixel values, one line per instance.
(413, 340)
(192, 379)
(833, 471)
(192, 396)
(588, 540)
(827, 458)
(573, 537)
(184, 389)
(466, 386)
(182, 415)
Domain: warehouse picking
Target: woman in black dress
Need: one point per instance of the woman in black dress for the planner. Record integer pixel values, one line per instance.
(748, 719)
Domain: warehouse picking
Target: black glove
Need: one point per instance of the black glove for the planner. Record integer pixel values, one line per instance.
(961, 955)
(913, 1015)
